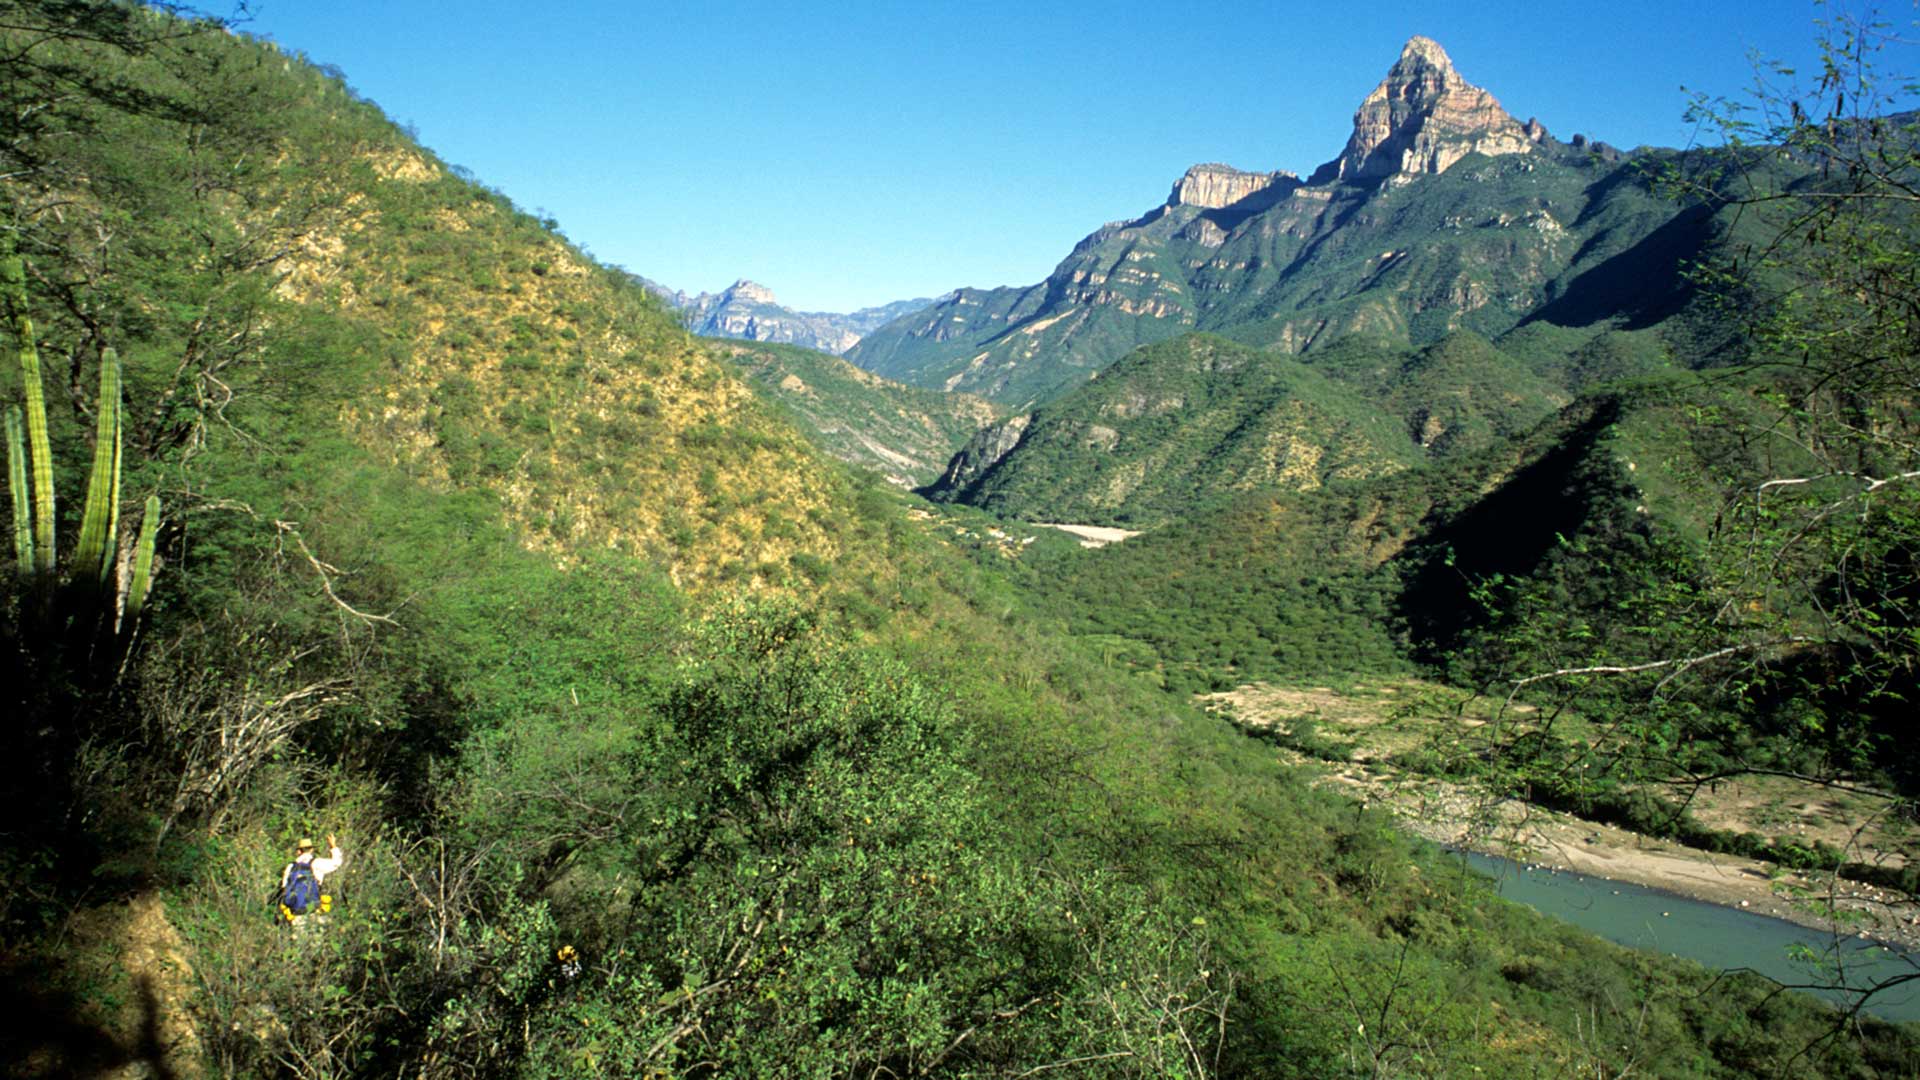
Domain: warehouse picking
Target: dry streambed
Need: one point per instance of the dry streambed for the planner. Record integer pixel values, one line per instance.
(1380, 725)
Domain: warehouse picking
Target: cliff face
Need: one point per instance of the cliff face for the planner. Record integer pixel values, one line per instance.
(1422, 118)
(749, 311)
(1216, 187)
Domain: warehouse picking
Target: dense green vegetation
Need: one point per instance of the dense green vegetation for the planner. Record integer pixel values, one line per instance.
(1301, 584)
(1176, 428)
(658, 743)
(1597, 538)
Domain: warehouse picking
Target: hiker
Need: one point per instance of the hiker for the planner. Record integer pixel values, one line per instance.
(301, 892)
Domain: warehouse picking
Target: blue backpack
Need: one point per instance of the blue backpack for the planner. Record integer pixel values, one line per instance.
(301, 894)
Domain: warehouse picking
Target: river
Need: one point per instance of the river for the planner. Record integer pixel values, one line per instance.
(1718, 937)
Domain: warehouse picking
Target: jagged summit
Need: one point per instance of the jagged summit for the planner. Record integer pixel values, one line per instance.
(1422, 118)
(1427, 51)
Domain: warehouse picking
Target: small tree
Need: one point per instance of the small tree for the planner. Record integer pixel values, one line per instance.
(1791, 646)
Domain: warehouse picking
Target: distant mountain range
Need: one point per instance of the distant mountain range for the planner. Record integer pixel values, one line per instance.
(906, 433)
(749, 311)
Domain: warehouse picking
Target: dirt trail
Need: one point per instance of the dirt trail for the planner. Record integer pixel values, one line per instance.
(133, 1021)
(156, 958)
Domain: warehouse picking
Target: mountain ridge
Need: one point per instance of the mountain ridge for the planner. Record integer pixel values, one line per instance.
(1385, 238)
(906, 433)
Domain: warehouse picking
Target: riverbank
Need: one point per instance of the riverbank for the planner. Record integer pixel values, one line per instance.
(1374, 725)
(1455, 816)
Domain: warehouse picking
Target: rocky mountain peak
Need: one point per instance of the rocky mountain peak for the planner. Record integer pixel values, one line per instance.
(749, 292)
(1422, 118)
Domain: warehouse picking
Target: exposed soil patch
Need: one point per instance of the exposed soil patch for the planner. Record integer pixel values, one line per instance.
(1091, 536)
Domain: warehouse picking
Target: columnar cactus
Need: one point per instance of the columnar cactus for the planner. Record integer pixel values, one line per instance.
(17, 486)
(93, 553)
(13, 290)
(142, 561)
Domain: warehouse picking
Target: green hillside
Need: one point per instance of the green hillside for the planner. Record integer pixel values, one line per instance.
(1291, 583)
(905, 433)
(1179, 424)
(1187, 424)
(1612, 533)
(657, 742)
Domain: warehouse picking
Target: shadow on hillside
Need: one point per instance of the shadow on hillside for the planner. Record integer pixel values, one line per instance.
(1509, 532)
(47, 1035)
(1643, 285)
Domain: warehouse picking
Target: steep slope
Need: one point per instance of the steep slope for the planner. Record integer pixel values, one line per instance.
(906, 433)
(750, 311)
(1442, 213)
(516, 366)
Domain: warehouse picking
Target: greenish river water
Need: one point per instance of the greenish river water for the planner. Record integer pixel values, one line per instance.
(1715, 936)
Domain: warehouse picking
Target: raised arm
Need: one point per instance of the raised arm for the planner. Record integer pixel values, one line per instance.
(334, 860)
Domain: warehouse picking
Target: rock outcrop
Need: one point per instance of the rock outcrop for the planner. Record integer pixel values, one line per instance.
(1214, 186)
(981, 453)
(1422, 118)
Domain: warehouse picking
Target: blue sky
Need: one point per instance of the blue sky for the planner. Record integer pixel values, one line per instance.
(852, 154)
